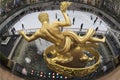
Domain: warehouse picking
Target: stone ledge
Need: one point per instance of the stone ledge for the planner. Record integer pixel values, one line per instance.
(5, 42)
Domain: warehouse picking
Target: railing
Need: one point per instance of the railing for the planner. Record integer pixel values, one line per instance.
(8, 14)
(77, 30)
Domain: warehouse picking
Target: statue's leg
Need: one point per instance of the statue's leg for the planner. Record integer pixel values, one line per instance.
(97, 39)
(88, 35)
(80, 39)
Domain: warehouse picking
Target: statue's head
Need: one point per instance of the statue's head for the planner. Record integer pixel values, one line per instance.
(43, 17)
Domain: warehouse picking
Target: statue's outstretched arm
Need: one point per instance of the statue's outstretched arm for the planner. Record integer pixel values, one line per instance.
(63, 8)
(34, 36)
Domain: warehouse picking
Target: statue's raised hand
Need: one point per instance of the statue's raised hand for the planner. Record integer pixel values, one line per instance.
(64, 5)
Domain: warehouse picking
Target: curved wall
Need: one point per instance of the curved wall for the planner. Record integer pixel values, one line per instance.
(75, 6)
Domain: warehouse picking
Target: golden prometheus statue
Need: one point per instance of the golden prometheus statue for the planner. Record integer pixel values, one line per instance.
(67, 55)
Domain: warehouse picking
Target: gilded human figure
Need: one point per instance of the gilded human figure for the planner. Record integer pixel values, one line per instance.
(64, 41)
